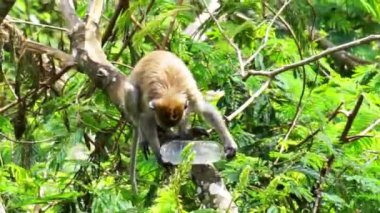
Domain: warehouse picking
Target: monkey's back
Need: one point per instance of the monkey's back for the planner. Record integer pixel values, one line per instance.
(161, 73)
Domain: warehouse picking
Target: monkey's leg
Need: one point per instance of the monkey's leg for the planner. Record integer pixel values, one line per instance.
(213, 117)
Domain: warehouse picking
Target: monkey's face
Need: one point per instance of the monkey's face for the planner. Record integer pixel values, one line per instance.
(168, 111)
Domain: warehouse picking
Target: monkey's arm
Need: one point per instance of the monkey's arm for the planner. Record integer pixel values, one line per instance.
(130, 103)
(148, 127)
(215, 119)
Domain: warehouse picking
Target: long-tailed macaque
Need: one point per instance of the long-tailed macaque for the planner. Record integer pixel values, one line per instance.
(168, 93)
(126, 97)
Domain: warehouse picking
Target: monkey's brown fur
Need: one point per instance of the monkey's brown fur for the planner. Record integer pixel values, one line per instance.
(162, 74)
(168, 92)
(166, 80)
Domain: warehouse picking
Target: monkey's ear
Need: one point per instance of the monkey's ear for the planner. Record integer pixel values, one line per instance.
(102, 73)
(151, 104)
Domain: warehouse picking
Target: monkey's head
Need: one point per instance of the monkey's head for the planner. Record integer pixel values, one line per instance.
(169, 110)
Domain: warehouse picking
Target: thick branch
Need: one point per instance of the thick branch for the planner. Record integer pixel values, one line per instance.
(90, 56)
(213, 191)
(43, 49)
(194, 28)
(68, 11)
(94, 12)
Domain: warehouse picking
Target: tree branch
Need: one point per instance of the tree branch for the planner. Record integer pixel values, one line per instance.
(43, 49)
(5, 7)
(171, 26)
(315, 57)
(310, 136)
(230, 41)
(13, 21)
(88, 51)
(94, 13)
(151, 38)
(351, 117)
(249, 101)
(68, 11)
(265, 40)
(121, 6)
(318, 188)
(340, 56)
(364, 133)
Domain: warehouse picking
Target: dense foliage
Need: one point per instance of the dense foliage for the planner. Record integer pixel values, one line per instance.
(308, 141)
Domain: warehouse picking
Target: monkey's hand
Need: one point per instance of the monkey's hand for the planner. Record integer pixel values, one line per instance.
(164, 164)
(230, 148)
(230, 152)
(144, 145)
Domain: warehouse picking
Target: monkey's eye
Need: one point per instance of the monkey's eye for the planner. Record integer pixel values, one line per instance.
(186, 104)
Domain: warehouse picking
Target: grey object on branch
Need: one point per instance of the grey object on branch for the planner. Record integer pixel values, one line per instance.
(205, 152)
(211, 189)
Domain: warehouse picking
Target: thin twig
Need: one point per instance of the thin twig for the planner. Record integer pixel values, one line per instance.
(292, 125)
(370, 127)
(249, 101)
(140, 26)
(148, 8)
(122, 64)
(310, 136)
(351, 118)
(37, 24)
(265, 40)
(171, 26)
(6, 107)
(299, 104)
(237, 50)
(318, 189)
(44, 85)
(121, 6)
(364, 133)
(313, 58)
(48, 140)
(7, 83)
